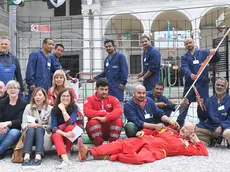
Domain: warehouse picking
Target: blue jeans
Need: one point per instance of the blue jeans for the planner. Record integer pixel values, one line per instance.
(34, 136)
(10, 138)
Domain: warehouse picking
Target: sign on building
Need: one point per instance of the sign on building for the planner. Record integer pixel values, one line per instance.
(161, 39)
(40, 28)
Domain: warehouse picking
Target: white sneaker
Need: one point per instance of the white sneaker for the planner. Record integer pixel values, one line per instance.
(64, 164)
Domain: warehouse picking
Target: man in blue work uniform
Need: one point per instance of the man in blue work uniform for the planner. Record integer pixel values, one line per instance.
(54, 57)
(151, 64)
(9, 64)
(190, 64)
(216, 120)
(141, 111)
(162, 102)
(115, 71)
(38, 67)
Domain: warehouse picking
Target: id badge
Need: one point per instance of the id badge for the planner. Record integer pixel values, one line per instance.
(195, 61)
(107, 64)
(144, 59)
(221, 108)
(147, 116)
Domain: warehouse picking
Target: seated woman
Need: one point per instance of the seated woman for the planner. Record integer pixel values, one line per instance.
(58, 83)
(11, 110)
(36, 119)
(63, 120)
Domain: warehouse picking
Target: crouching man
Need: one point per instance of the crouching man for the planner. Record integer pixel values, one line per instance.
(104, 115)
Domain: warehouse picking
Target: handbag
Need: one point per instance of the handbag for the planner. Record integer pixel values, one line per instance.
(18, 150)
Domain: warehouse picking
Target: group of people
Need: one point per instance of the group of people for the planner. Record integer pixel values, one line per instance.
(52, 112)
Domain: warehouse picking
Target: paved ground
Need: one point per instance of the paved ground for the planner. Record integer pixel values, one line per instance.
(217, 161)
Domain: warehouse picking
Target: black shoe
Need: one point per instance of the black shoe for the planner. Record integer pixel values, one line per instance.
(219, 140)
(212, 142)
(37, 162)
(26, 164)
(228, 146)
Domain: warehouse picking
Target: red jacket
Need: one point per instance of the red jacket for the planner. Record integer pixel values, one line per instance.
(110, 108)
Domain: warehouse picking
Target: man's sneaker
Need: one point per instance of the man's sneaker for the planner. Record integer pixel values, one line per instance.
(26, 164)
(82, 150)
(64, 164)
(36, 163)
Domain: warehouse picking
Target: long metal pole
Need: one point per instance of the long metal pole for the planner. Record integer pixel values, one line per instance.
(200, 72)
(12, 29)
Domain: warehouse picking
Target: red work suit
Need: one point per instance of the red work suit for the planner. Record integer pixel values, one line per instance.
(110, 108)
(151, 147)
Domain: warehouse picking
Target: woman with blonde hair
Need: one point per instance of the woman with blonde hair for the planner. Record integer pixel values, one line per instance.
(60, 82)
(37, 123)
(11, 110)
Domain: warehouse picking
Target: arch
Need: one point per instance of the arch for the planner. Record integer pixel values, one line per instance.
(120, 13)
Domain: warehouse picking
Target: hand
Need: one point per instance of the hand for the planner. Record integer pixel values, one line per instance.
(141, 79)
(212, 52)
(218, 130)
(139, 75)
(101, 119)
(69, 134)
(140, 134)
(161, 104)
(33, 125)
(193, 77)
(3, 125)
(32, 87)
(193, 138)
(184, 103)
(175, 125)
(3, 130)
(122, 87)
(159, 126)
(62, 107)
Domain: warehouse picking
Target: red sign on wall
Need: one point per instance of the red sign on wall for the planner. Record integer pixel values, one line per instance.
(40, 28)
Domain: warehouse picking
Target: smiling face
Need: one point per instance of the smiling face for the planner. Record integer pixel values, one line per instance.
(65, 98)
(4, 46)
(12, 89)
(59, 51)
(220, 87)
(109, 48)
(59, 80)
(2, 89)
(145, 43)
(158, 90)
(139, 94)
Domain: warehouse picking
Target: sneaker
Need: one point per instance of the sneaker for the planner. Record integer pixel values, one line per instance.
(26, 164)
(82, 150)
(228, 146)
(36, 162)
(64, 164)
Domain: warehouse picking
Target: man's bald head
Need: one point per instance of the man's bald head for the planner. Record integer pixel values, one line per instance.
(187, 129)
(189, 44)
(2, 89)
(139, 93)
